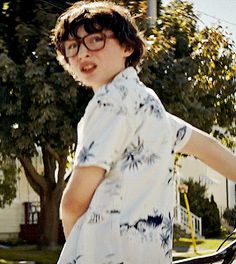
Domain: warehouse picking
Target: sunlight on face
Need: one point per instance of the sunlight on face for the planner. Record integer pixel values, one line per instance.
(99, 57)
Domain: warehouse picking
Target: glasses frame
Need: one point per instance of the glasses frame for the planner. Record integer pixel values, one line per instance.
(80, 41)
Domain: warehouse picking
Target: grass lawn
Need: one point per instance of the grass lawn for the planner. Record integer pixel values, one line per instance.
(27, 253)
(182, 249)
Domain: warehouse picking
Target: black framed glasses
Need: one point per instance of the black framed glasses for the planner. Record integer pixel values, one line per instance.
(93, 42)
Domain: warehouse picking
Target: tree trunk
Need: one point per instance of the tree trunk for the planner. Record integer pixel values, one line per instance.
(49, 219)
(49, 187)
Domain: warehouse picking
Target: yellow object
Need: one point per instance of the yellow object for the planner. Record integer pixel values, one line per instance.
(190, 222)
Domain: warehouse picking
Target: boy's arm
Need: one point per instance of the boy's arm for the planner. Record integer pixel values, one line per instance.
(211, 152)
(78, 194)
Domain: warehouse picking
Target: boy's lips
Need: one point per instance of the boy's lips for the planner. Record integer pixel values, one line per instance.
(87, 67)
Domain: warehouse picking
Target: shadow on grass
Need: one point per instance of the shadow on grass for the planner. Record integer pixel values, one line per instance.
(28, 253)
(184, 244)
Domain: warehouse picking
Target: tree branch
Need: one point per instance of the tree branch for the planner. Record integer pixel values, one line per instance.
(32, 183)
(52, 152)
(61, 171)
(36, 181)
(62, 168)
(49, 165)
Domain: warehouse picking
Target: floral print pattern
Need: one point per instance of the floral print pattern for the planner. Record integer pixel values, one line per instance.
(85, 153)
(129, 219)
(135, 156)
(150, 106)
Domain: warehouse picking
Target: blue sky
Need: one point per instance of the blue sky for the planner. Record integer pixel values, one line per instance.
(215, 12)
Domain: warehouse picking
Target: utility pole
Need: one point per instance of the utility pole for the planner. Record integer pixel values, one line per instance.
(152, 12)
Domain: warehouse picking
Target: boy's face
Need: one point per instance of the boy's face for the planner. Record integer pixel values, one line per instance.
(95, 68)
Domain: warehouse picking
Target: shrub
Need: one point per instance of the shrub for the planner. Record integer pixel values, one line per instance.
(203, 207)
(230, 216)
(179, 232)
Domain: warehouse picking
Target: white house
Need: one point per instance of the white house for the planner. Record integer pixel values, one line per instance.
(223, 190)
(217, 185)
(11, 217)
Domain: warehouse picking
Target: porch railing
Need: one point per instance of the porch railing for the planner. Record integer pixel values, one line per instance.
(181, 218)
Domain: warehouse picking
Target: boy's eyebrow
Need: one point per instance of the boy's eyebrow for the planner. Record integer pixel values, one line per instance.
(70, 40)
(74, 37)
(78, 37)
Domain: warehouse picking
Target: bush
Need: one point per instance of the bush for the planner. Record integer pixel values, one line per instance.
(230, 216)
(203, 207)
(179, 232)
(211, 225)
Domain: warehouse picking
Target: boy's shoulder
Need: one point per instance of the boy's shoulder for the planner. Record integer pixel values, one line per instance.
(127, 85)
(126, 91)
(124, 85)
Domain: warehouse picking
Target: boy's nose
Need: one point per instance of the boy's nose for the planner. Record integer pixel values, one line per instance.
(83, 51)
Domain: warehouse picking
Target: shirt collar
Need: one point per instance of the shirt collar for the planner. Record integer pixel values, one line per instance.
(127, 74)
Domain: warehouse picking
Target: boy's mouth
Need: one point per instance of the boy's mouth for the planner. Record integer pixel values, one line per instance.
(88, 67)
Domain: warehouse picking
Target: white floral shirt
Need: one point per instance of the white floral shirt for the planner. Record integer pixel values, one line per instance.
(126, 131)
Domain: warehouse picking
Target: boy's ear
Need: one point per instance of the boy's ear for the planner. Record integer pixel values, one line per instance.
(128, 51)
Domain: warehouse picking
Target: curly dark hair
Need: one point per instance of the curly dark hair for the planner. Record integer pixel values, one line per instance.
(95, 17)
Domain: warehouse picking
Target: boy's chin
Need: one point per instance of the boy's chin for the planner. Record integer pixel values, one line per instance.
(85, 82)
(93, 84)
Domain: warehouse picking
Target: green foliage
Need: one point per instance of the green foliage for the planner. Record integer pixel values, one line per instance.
(28, 254)
(40, 104)
(192, 71)
(230, 216)
(203, 207)
(37, 97)
(8, 181)
(179, 232)
(211, 218)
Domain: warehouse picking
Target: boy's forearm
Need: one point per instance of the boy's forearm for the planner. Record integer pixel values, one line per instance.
(78, 195)
(212, 153)
(220, 159)
(69, 219)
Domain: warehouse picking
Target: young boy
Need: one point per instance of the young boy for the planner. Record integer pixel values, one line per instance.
(118, 204)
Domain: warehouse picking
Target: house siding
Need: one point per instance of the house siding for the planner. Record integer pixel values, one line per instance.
(10, 220)
(11, 217)
(215, 182)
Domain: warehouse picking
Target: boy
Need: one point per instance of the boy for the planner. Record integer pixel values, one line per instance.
(118, 206)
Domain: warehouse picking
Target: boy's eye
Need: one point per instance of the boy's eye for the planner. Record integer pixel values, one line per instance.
(72, 46)
(95, 39)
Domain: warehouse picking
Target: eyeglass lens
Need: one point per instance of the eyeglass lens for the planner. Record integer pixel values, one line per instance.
(93, 42)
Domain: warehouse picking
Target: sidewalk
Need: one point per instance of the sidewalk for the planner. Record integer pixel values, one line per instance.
(188, 252)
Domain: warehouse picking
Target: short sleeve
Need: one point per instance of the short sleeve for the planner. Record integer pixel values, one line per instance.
(102, 134)
(181, 132)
